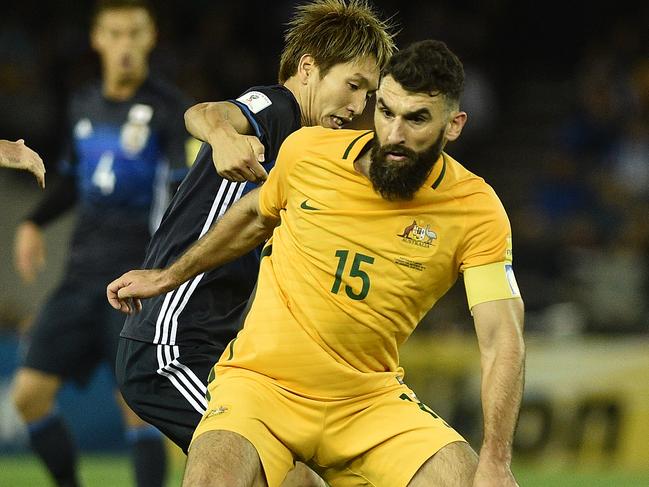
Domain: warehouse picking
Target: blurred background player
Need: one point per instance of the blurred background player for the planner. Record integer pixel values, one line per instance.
(329, 67)
(17, 155)
(124, 132)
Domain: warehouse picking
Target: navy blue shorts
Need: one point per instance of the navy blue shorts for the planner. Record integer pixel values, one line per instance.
(74, 332)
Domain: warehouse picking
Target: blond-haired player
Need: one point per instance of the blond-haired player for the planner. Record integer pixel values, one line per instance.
(330, 65)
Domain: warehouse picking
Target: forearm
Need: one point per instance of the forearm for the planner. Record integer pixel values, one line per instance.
(205, 119)
(240, 230)
(503, 367)
(9, 155)
(61, 197)
(499, 327)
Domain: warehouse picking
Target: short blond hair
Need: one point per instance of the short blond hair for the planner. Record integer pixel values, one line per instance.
(334, 32)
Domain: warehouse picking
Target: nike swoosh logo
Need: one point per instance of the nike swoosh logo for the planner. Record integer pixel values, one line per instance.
(305, 206)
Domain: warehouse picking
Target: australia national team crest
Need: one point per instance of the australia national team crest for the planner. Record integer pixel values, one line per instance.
(418, 234)
(135, 132)
(219, 411)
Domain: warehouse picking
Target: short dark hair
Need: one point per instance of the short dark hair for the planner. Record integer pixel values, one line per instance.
(428, 67)
(102, 6)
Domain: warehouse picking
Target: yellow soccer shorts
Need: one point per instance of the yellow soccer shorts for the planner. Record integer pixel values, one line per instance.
(379, 439)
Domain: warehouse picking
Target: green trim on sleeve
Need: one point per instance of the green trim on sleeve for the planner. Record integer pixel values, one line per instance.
(231, 348)
(266, 251)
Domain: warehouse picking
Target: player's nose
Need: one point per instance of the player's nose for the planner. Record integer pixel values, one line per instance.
(396, 133)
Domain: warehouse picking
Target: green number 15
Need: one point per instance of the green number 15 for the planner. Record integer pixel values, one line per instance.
(355, 271)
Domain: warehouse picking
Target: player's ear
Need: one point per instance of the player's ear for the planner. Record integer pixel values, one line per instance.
(306, 68)
(455, 125)
(95, 38)
(152, 35)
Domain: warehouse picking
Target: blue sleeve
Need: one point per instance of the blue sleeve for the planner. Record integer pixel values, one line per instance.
(273, 119)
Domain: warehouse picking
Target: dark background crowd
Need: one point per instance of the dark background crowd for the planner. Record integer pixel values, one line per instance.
(558, 101)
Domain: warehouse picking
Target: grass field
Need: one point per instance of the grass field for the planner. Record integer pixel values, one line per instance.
(114, 471)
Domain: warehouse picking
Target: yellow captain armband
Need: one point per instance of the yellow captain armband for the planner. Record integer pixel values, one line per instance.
(490, 282)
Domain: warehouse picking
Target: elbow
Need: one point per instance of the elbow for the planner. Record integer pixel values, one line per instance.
(192, 111)
(266, 226)
(189, 113)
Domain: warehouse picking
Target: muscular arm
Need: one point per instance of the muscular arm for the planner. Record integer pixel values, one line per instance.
(29, 244)
(236, 153)
(204, 119)
(499, 327)
(241, 229)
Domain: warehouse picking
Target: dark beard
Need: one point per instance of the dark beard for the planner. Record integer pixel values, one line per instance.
(399, 181)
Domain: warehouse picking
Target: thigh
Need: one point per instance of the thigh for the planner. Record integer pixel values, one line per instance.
(219, 458)
(171, 397)
(62, 340)
(252, 406)
(452, 466)
(382, 440)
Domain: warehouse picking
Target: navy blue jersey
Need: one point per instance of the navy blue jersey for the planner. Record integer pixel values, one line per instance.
(123, 155)
(207, 307)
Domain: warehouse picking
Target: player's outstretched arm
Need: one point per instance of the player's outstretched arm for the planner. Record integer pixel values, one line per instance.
(29, 251)
(237, 155)
(241, 229)
(499, 326)
(18, 156)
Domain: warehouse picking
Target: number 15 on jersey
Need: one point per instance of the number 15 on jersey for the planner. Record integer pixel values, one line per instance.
(354, 271)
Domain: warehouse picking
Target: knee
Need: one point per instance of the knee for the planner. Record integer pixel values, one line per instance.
(31, 398)
(23, 399)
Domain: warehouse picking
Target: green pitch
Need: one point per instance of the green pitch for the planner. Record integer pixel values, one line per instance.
(114, 471)
(96, 470)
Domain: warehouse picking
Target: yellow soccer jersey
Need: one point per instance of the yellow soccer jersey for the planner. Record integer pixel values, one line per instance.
(348, 275)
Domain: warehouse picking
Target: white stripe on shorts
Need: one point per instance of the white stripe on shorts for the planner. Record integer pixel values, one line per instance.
(182, 377)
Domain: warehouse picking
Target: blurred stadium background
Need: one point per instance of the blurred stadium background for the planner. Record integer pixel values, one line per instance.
(558, 109)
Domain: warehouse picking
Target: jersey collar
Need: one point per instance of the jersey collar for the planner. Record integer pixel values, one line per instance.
(438, 172)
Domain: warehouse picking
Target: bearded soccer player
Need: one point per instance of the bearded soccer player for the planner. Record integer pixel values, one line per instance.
(375, 228)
